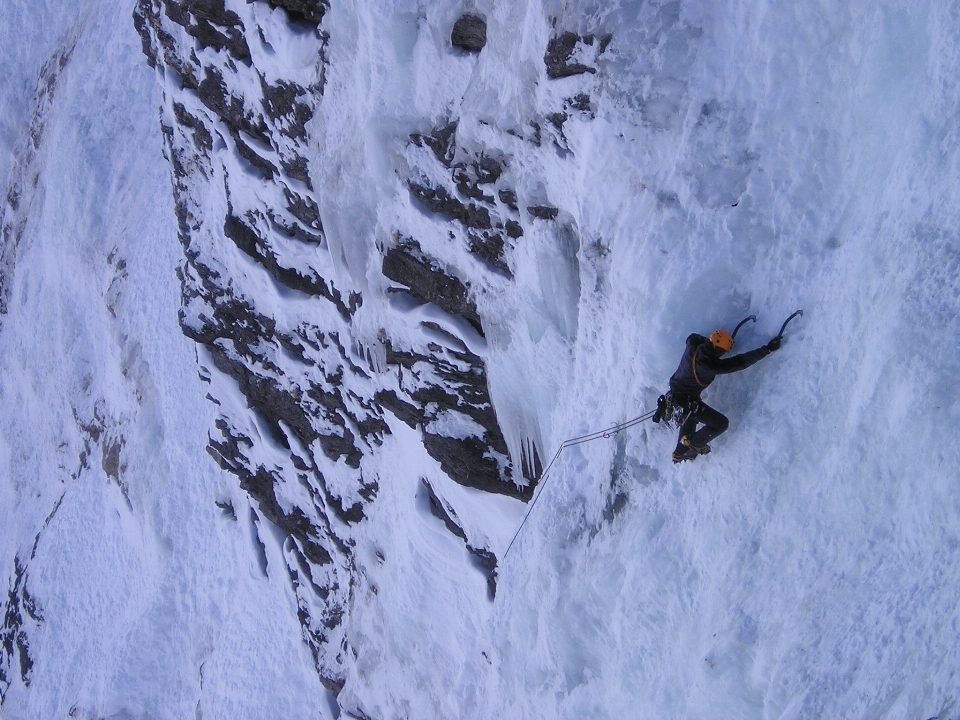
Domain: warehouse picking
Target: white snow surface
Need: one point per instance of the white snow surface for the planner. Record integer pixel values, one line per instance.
(153, 604)
(737, 158)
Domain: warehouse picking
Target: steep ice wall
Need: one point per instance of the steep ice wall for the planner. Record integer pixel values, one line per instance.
(719, 161)
(757, 159)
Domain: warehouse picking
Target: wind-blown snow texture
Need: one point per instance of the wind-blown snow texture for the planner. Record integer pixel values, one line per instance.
(405, 272)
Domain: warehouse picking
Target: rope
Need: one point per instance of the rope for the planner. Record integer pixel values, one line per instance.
(570, 442)
(694, 361)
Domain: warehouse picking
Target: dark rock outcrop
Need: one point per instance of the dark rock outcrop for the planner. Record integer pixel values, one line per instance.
(20, 612)
(486, 562)
(489, 247)
(483, 559)
(480, 460)
(469, 33)
(407, 265)
(443, 511)
(543, 212)
(442, 140)
(562, 48)
(308, 12)
(470, 197)
(439, 200)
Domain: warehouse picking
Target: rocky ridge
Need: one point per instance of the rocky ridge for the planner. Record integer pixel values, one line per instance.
(260, 298)
(274, 326)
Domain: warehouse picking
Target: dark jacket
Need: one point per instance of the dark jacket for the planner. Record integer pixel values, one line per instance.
(701, 363)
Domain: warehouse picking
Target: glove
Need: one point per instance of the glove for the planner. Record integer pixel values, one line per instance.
(661, 412)
(773, 345)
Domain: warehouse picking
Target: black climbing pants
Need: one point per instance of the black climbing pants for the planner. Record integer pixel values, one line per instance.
(714, 423)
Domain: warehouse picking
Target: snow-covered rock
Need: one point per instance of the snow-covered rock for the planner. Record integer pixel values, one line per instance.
(300, 376)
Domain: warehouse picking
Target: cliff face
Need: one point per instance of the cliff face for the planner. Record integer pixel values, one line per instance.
(419, 243)
(307, 389)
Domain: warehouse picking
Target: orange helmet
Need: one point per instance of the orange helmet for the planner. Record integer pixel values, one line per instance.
(722, 339)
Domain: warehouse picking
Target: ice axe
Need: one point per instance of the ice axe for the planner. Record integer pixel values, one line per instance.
(785, 322)
(753, 318)
(741, 324)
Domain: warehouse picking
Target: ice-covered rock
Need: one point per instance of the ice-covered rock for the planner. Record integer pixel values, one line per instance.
(263, 298)
(406, 272)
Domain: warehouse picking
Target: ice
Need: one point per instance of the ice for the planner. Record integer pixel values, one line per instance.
(735, 159)
(829, 398)
(776, 581)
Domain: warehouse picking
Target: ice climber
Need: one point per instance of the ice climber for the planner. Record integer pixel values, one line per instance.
(702, 361)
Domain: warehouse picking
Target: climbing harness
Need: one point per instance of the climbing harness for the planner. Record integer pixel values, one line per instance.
(609, 432)
(676, 413)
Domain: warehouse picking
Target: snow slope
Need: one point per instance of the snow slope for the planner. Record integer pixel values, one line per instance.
(724, 159)
(138, 596)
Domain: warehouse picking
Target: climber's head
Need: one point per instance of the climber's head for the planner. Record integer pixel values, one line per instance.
(722, 341)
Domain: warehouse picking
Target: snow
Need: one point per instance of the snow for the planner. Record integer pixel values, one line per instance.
(150, 597)
(743, 158)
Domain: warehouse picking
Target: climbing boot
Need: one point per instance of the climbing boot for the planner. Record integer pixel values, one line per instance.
(684, 453)
(698, 449)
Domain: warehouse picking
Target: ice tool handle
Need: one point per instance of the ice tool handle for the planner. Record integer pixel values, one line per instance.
(743, 322)
(785, 322)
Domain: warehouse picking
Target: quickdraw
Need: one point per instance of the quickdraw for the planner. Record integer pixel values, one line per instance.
(669, 412)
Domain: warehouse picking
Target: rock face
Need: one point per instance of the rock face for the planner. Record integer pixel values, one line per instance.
(565, 52)
(407, 265)
(21, 613)
(303, 408)
(467, 195)
(308, 396)
(469, 33)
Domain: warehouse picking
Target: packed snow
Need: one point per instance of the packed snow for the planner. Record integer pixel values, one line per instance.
(730, 159)
(152, 603)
